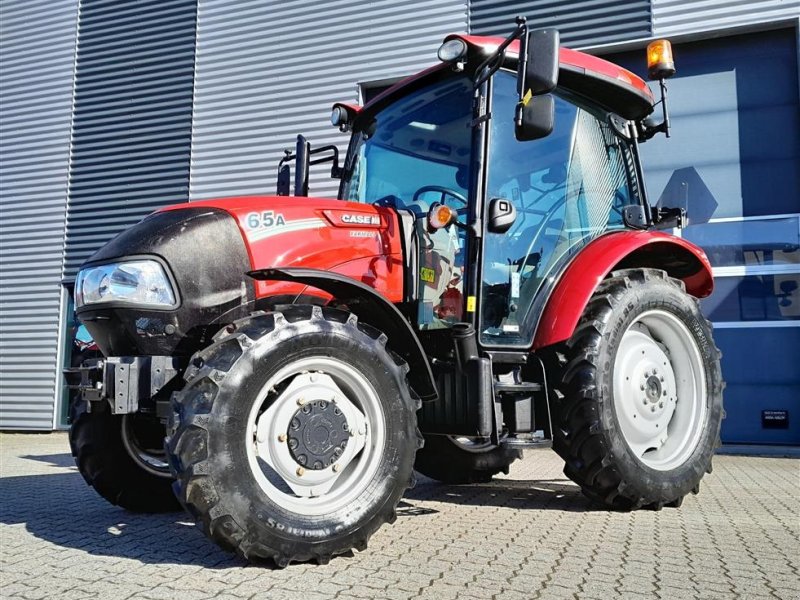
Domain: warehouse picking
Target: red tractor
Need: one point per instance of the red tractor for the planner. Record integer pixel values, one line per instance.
(490, 279)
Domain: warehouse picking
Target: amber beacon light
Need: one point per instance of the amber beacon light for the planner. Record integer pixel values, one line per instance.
(660, 64)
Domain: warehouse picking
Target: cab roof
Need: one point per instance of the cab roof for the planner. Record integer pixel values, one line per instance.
(601, 81)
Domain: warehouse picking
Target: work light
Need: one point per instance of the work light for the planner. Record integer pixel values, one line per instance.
(452, 51)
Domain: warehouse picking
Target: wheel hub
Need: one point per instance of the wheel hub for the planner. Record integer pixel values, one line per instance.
(318, 435)
(653, 388)
(310, 433)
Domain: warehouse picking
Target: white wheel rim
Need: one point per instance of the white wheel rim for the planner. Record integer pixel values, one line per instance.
(660, 390)
(303, 489)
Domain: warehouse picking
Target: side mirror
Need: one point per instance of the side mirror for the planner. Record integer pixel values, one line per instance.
(537, 76)
(502, 215)
(538, 119)
(538, 69)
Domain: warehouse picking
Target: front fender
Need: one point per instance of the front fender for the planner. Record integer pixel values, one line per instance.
(619, 250)
(368, 305)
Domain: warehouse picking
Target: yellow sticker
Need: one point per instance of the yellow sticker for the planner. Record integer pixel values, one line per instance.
(470, 303)
(527, 98)
(428, 275)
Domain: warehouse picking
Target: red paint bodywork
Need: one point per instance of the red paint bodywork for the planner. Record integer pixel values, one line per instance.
(318, 233)
(598, 259)
(568, 58)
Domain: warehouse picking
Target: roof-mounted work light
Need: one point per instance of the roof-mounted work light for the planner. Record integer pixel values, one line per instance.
(454, 52)
(343, 115)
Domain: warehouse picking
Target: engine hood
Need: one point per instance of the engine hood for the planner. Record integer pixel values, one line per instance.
(360, 241)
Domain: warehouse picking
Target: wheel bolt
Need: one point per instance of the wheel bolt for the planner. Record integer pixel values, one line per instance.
(661, 378)
(641, 387)
(301, 401)
(336, 468)
(282, 437)
(653, 408)
(665, 392)
(300, 471)
(644, 401)
(660, 405)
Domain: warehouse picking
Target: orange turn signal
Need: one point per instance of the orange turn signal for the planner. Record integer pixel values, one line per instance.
(441, 215)
(660, 64)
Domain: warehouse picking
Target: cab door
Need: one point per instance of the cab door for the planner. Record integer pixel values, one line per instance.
(568, 188)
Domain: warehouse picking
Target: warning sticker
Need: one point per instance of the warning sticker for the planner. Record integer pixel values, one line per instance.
(427, 275)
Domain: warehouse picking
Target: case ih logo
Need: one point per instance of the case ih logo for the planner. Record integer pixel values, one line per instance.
(361, 219)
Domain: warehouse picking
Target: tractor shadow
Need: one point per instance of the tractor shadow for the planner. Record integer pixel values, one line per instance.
(61, 509)
(522, 494)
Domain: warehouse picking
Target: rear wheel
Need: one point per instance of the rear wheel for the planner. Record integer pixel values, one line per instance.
(122, 458)
(452, 459)
(295, 435)
(639, 403)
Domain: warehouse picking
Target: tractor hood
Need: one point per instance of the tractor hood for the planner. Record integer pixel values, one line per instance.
(360, 241)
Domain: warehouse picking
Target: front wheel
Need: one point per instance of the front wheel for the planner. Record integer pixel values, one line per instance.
(639, 403)
(294, 438)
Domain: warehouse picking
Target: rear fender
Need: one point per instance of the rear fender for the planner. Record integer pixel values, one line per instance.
(620, 250)
(370, 307)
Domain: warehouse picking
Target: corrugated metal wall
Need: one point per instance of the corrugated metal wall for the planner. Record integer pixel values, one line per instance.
(268, 70)
(581, 22)
(37, 52)
(132, 124)
(686, 16)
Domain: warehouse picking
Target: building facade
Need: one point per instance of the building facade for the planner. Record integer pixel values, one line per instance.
(111, 109)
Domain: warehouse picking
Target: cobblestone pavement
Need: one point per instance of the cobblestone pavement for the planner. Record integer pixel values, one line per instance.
(529, 535)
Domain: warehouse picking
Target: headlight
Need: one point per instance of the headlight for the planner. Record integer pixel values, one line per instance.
(133, 281)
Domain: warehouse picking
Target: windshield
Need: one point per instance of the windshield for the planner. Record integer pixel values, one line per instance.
(420, 141)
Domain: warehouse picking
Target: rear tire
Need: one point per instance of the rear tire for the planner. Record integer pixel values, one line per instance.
(119, 457)
(454, 461)
(256, 436)
(638, 398)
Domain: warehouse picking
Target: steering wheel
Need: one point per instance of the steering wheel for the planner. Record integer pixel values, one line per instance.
(441, 190)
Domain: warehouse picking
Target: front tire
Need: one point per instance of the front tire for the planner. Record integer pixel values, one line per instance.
(120, 456)
(294, 438)
(638, 406)
(455, 460)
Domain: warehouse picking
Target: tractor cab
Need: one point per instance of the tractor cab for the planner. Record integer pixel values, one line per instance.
(504, 161)
(449, 155)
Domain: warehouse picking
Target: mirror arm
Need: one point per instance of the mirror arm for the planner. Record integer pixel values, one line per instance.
(494, 61)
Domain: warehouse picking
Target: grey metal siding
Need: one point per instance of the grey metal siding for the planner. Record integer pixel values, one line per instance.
(132, 124)
(686, 16)
(37, 54)
(267, 71)
(581, 22)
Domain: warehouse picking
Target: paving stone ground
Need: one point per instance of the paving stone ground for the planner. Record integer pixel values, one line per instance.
(525, 536)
